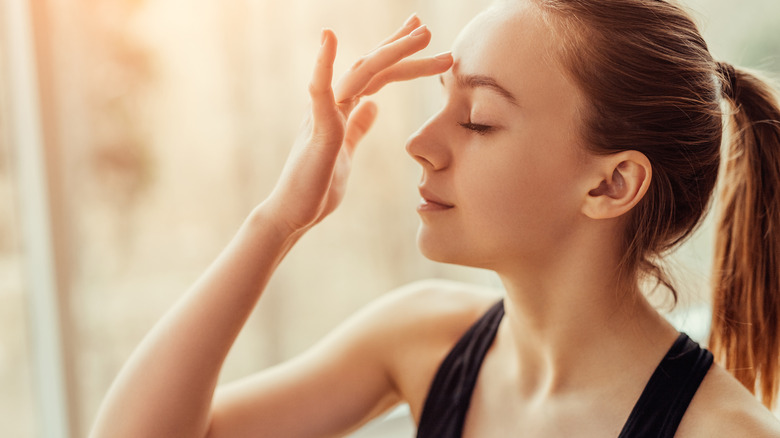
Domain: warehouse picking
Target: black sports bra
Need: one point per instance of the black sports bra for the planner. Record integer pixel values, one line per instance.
(657, 413)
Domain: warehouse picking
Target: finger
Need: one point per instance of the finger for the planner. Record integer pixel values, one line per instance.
(355, 80)
(411, 23)
(409, 69)
(320, 88)
(323, 102)
(360, 121)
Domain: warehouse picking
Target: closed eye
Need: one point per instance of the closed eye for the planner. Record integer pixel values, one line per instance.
(479, 129)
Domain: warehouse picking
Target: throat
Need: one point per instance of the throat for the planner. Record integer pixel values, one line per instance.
(577, 332)
(563, 394)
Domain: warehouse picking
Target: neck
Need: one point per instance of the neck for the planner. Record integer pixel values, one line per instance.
(571, 324)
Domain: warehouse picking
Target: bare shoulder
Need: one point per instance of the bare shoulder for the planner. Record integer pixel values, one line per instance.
(413, 316)
(424, 320)
(385, 353)
(437, 303)
(722, 407)
(427, 312)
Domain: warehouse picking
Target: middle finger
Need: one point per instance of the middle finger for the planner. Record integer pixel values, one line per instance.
(357, 78)
(411, 23)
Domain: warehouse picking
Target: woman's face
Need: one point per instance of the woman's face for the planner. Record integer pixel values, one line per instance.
(502, 162)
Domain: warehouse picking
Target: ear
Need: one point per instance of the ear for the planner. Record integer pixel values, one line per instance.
(619, 183)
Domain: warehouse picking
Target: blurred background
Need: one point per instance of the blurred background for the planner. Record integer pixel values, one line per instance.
(136, 135)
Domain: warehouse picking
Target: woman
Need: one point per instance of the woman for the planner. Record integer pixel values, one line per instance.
(579, 140)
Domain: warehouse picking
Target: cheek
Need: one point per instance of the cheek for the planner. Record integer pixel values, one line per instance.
(523, 197)
(506, 182)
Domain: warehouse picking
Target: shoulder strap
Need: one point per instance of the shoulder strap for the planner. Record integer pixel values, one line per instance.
(444, 412)
(669, 391)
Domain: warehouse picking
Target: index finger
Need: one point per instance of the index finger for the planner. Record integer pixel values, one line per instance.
(357, 78)
(409, 69)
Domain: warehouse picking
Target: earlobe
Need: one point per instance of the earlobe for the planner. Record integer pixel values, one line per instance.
(622, 181)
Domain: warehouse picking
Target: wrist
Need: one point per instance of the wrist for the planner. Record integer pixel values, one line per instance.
(263, 219)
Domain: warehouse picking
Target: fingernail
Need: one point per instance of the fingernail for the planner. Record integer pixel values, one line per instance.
(410, 19)
(419, 31)
(323, 37)
(443, 55)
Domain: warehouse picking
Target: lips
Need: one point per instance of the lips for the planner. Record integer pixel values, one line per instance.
(431, 201)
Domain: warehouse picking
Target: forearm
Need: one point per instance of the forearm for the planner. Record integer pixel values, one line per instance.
(166, 387)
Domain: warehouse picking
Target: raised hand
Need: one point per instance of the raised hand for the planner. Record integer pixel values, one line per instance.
(314, 178)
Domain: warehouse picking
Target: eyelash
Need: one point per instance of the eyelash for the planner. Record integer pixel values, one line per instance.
(479, 129)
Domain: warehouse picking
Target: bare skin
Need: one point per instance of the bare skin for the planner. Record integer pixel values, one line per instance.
(520, 197)
(166, 388)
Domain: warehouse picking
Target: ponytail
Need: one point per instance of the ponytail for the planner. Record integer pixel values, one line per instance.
(745, 334)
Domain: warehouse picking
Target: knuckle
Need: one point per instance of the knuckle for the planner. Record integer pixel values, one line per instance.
(359, 63)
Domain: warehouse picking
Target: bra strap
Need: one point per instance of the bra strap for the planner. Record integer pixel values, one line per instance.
(669, 391)
(449, 396)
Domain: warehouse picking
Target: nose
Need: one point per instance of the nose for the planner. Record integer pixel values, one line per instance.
(427, 145)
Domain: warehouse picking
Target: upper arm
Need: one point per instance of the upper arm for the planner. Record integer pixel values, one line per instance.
(340, 383)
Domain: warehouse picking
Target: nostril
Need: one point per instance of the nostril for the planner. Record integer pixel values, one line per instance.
(427, 147)
(428, 157)
(424, 161)
(414, 152)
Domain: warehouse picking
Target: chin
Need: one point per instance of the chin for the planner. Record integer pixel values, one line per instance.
(445, 249)
(473, 251)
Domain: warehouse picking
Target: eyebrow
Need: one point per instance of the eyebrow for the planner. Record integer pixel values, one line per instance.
(482, 81)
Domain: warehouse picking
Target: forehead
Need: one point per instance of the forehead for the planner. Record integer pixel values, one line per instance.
(512, 43)
(505, 28)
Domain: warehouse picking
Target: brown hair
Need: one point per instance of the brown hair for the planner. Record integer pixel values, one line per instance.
(747, 251)
(651, 85)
